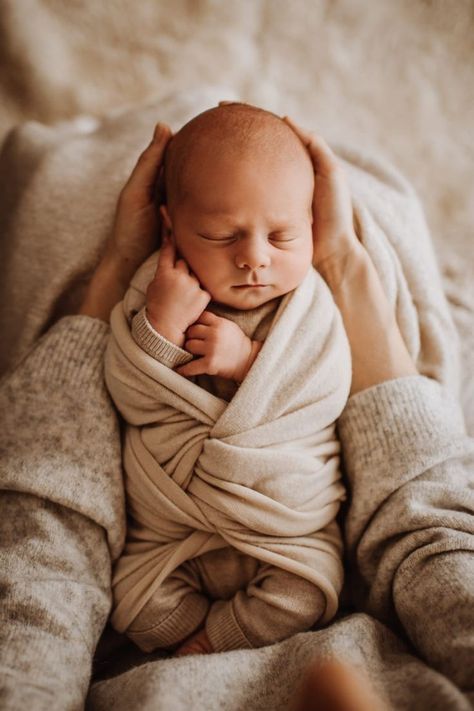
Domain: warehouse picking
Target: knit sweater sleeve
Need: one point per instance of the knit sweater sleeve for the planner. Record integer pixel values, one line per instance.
(62, 517)
(156, 345)
(410, 523)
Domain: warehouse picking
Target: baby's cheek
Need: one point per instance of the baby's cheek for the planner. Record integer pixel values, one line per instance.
(299, 264)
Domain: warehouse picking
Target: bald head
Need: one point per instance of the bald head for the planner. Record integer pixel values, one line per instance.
(235, 130)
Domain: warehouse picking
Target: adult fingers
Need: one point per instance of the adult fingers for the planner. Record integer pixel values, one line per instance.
(146, 170)
(324, 160)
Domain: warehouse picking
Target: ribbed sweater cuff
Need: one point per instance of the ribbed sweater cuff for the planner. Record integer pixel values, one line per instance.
(156, 345)
(408, 417)
(185, 619)
(70, 353)
(223, 630)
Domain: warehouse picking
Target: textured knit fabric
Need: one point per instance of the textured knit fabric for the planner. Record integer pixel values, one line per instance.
(409, 530)
(259, 473)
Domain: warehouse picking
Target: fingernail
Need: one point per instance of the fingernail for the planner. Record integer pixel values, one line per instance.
(158, 132)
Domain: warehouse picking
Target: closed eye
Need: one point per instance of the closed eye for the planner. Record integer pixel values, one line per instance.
(282, 239)
(226, 238)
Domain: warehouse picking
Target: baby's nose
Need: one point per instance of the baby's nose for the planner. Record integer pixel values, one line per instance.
(252, 256)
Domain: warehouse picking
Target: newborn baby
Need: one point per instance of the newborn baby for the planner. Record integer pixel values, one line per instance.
(229, 363)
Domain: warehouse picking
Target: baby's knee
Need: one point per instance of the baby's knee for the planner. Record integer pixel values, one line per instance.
(287, 604)
(173, 612)
(300, 602)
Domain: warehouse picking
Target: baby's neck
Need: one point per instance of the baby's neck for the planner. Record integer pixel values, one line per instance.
(249, 320)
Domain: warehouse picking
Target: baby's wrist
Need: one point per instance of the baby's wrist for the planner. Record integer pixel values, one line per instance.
(172, 334)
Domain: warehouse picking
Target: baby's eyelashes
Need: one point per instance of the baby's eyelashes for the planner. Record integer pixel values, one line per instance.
(273, 237)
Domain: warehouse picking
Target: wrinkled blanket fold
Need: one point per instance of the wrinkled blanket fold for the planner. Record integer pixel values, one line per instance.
(260, 473)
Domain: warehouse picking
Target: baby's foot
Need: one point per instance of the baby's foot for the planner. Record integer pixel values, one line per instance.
(198, 643)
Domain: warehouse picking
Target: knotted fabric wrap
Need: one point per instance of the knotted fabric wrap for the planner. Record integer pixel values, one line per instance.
(260, 473)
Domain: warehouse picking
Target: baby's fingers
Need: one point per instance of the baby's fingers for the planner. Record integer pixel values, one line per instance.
(167, 255)
(194, 367)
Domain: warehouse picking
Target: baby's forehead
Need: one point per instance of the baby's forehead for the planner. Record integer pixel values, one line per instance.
(236, 132)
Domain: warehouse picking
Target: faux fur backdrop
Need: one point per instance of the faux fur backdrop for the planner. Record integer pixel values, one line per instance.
(394, 77)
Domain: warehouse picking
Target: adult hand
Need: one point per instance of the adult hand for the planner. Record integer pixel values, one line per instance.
(134, 233)
(334, 236)
(377, 347)
(135, 230)
(174, 298)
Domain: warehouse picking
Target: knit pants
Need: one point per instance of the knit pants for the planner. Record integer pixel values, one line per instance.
(247, 604)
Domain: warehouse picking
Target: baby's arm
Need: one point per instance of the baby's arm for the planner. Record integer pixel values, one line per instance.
(155, 343)
(225, 349)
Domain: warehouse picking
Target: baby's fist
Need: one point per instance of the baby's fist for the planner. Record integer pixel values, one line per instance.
(224, 347)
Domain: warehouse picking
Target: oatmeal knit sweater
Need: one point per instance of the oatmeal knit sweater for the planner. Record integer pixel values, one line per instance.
(409, 532)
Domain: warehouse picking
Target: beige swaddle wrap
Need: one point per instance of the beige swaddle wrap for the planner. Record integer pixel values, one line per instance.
(260, 473)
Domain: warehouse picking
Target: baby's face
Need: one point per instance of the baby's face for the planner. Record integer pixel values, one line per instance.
(245, 227)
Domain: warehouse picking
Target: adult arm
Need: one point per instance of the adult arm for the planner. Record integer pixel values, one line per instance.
(61, 491)
(410, 522)
(62, 516)
(410, 466)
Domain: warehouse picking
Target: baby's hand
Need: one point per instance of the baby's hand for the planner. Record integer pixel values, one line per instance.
(174, 299)
(198, 643)
(224, 347)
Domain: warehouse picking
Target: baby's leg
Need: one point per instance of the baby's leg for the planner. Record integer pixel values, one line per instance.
(275, 605)
(173, 613)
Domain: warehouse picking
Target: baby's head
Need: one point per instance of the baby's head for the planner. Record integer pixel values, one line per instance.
(239, 189)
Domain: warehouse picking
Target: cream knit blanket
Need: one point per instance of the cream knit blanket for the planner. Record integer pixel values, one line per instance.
(260, 473)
